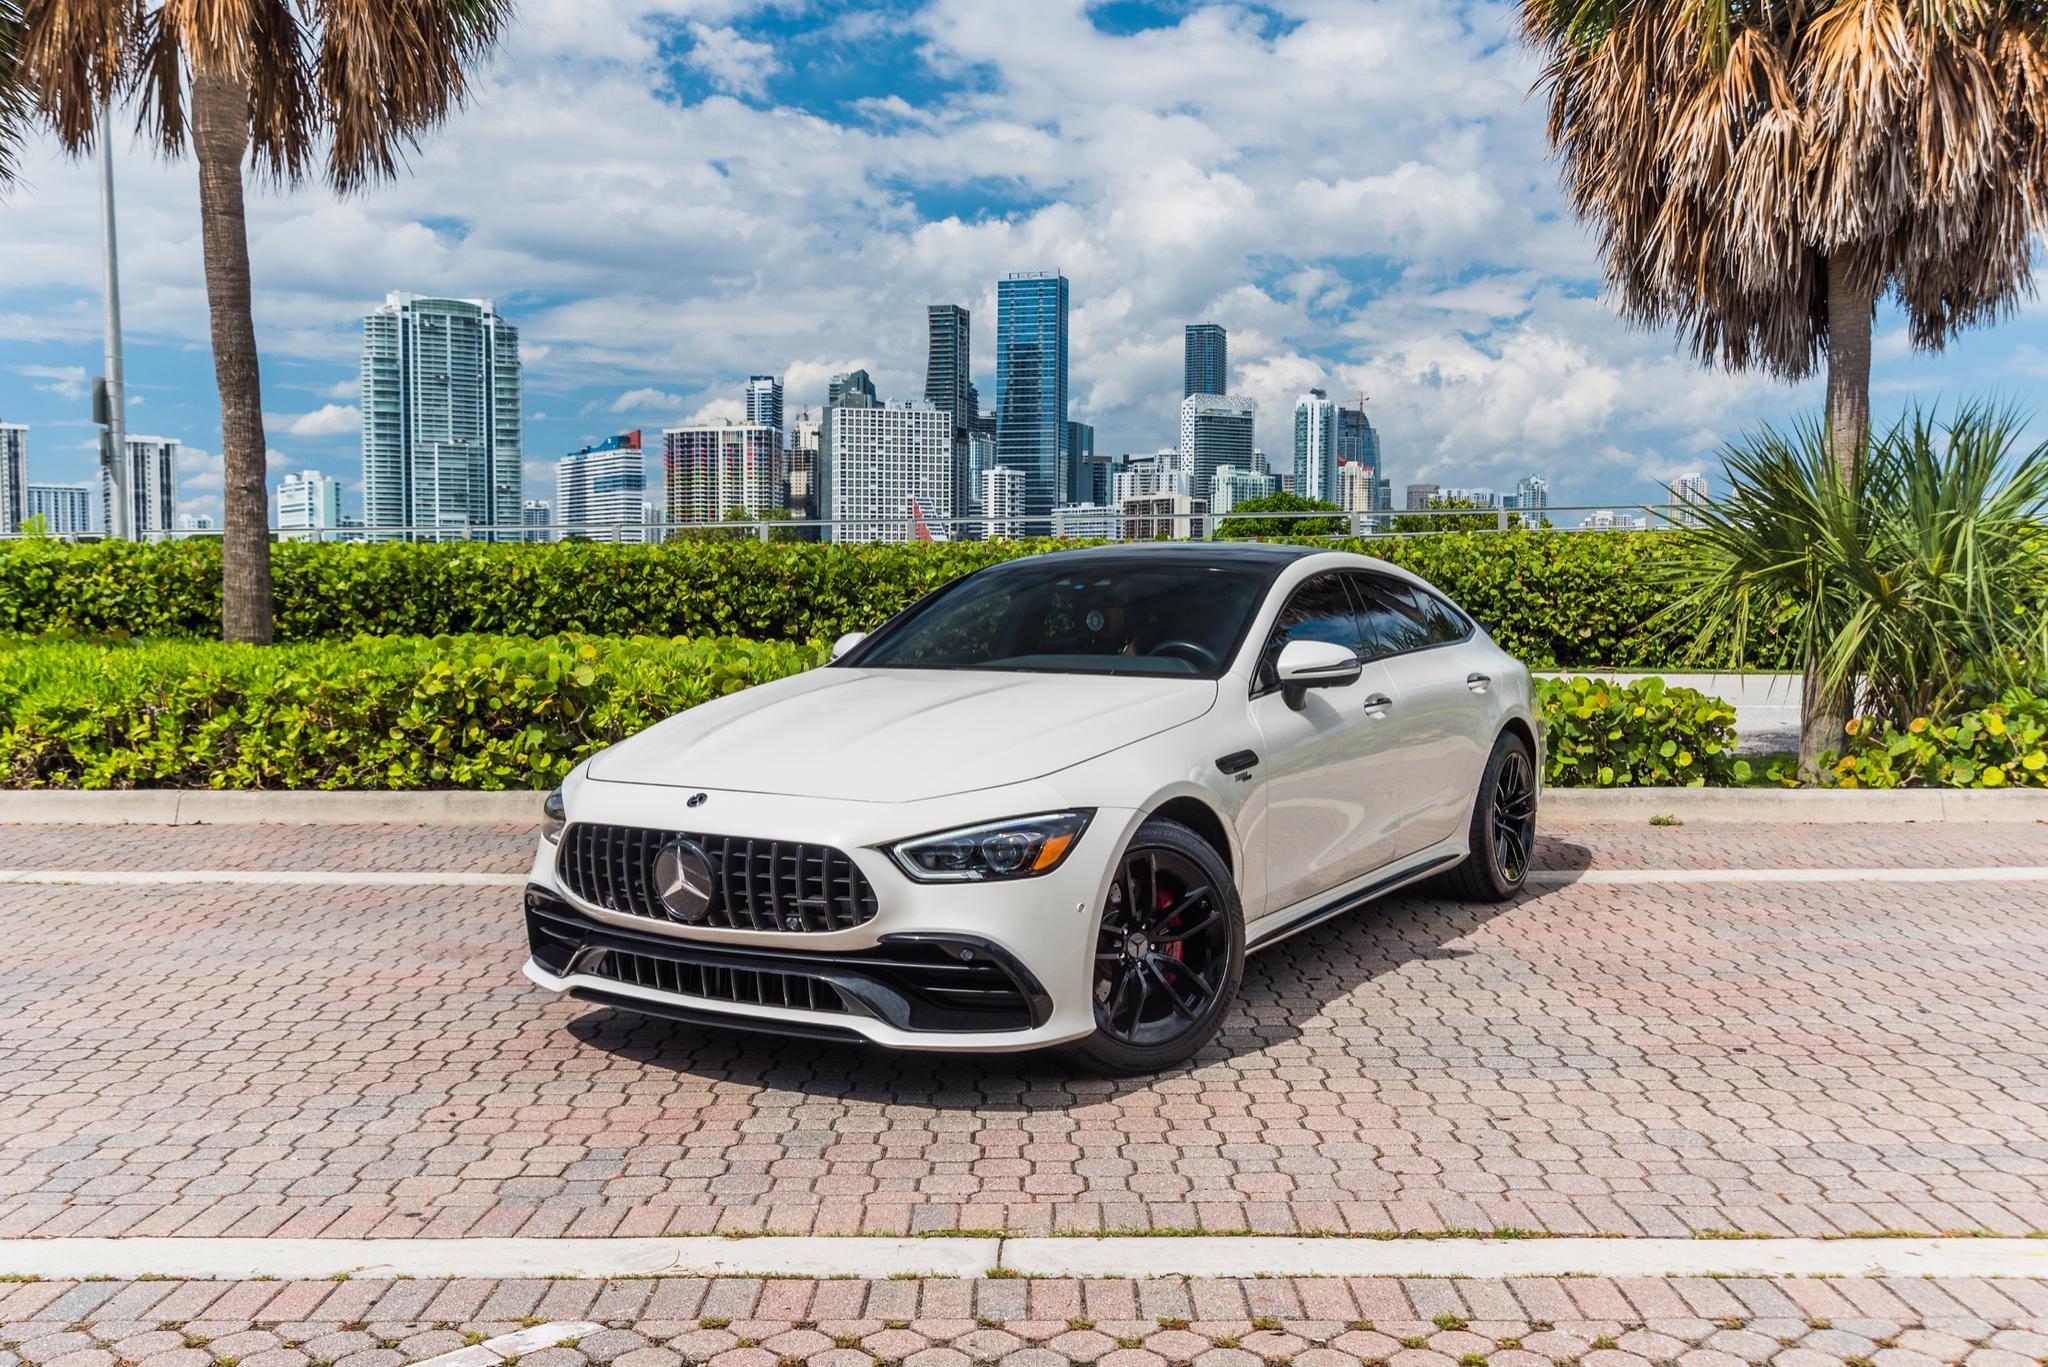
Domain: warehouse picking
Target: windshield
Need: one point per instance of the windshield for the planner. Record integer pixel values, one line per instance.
(1094, 615)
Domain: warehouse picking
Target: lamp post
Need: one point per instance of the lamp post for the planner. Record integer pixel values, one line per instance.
(121, 509)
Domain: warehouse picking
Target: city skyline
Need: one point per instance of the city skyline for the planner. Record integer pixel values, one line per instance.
(786, 188)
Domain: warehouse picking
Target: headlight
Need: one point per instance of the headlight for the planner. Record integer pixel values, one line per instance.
(1000, 851)
(553, 817)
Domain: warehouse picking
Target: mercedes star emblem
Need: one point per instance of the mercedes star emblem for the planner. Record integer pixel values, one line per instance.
(683, 879)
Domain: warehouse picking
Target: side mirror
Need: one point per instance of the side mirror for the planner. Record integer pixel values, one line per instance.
(847, 642)
(1314, 664)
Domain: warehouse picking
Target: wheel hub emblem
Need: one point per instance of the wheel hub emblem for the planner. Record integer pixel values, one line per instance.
(683, 880)
(1137, 947)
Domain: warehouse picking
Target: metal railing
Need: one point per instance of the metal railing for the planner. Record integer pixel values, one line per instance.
(1408, 522)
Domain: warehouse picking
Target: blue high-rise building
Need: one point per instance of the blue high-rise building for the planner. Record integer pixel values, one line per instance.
(1205, 360)
(1031, 388)
(1080, 463)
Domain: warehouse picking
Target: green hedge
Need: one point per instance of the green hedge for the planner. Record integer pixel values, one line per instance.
(392, 712)
(499, 712)
(2004, 745)
(1557, 600)
(1602, 734)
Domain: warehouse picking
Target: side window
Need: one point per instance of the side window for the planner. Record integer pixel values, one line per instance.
(1318, 610)
(1398, 617)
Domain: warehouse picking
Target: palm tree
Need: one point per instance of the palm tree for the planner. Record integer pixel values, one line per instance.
(273, 81)
(1763, 172)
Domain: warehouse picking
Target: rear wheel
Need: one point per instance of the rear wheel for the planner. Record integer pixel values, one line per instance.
(1503, 837)
(1169, 953)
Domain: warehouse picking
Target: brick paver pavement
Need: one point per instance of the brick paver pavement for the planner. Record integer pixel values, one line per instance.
(1590, 1059)
(1535, 1322)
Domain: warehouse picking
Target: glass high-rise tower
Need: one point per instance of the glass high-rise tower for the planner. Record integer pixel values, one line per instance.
(1031, 388)
(1205, 363)
(441, 418)
(764, 401)
(949, 388)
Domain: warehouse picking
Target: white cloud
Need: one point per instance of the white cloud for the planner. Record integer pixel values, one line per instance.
(65, 381)
(640, 400)
(328, 420)
(733, 64)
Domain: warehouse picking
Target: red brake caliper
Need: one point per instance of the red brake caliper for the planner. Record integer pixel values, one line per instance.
(1175, 949)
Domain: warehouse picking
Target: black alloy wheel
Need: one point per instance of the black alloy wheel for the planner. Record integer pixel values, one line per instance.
(1169, 952)
(1514, 816)
(1503, 834)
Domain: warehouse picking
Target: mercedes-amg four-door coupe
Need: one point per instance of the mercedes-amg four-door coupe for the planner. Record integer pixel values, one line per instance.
(1054, 802)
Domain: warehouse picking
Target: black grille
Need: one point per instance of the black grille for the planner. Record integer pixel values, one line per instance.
(912, 982)
(715, 982)
(757, 884)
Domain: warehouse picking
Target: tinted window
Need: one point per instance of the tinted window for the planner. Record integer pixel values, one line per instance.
(1132, 615)
(1319, 610)
(1398, 617)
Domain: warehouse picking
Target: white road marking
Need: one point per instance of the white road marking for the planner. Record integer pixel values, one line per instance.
(2017, 873)
(228, 1259)
(264, 878)
(520, 1342)
(430, 878)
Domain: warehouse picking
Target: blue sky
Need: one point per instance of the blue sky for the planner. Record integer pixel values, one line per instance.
(670, 195)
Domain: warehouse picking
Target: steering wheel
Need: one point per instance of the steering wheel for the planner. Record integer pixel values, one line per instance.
(1194, 652)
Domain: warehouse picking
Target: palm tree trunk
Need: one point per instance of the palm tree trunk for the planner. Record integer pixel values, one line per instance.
(220, 137)
(1852, 303)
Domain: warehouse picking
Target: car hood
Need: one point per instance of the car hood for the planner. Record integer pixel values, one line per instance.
(900, 735)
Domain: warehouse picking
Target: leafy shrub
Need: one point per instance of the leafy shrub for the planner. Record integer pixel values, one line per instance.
(392, 712)
(1235, 525)
(1602, 734)
(1919, 582)
(2004, 745)
(1559, 600)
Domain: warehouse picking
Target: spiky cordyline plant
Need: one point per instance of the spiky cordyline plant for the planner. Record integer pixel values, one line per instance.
(1918, 580)
(1763, 171)
(269, 80)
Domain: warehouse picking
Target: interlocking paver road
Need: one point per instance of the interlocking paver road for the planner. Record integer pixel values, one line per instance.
(327, 1060)
(1528, 1322)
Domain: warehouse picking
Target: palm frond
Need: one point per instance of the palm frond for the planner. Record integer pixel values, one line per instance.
(14, 102)
(1919, 582)
(1726, 151)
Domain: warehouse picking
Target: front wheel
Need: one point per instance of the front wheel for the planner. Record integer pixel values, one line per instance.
(1503, 838)
(1169, 953)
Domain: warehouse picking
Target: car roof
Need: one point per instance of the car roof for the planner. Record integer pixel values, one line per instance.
(1255, 553)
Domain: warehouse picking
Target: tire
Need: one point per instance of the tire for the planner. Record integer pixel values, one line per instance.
(1150, 1009)
(1503, 817)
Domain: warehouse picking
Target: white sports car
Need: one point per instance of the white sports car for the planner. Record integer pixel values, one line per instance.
(1055, 802)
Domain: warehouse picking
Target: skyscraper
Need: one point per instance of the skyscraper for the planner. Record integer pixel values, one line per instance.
(852, 382)
(308, 501)
(800, 467)
(539, 517)
(1205, 360)
(1315, 446)
(715, 470)
(1031, 387)
(1533, 493)
(1080, 486)
(152, 486)
(1688, 489)
(66, 509)
(1002, 503)
(882, 465)
(949, 388)
(1419, 496)
(1215, 430)
(1358, 442)
(441, 417)
(13, 476)
(764, 401)
(599, 490)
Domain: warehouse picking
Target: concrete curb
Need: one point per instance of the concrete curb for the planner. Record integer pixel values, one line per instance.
(869, 1258)
(1561, 807)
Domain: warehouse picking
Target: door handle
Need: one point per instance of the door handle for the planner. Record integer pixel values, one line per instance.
(1478, 682)
(1377, 705)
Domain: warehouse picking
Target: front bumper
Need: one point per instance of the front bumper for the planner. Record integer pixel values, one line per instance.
(979, 968)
